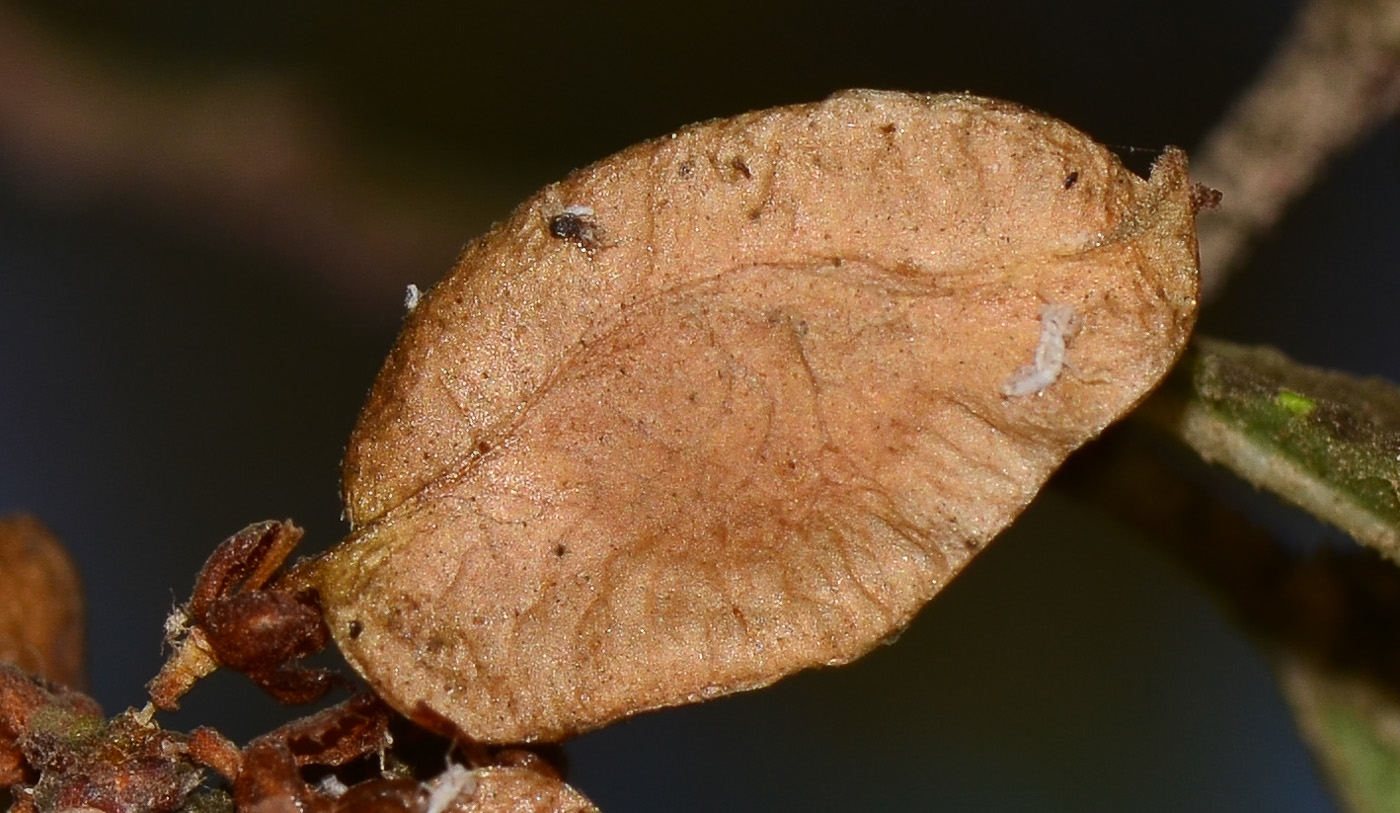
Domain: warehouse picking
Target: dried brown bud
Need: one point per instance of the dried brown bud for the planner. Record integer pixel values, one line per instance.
(780, 377)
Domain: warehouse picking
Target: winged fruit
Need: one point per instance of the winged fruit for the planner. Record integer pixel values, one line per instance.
(738, 401)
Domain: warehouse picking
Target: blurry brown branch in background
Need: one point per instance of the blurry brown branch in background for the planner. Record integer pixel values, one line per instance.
(1328, 620)
(1332, 82)
(1337, 609)
(243, 159)
(246, 159)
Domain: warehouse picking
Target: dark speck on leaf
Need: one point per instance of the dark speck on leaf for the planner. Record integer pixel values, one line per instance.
(576, 226)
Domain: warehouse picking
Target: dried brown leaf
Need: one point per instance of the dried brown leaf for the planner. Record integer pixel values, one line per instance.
(738, 401)
(41, 604)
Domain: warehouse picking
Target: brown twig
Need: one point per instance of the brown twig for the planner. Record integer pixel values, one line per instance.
(1333, 80)
(245, 158)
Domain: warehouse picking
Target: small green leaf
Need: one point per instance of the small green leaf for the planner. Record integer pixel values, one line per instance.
(1351, 726)
(1326, 441)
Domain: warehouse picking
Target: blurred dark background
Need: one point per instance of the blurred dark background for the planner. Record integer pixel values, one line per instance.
(184, 348)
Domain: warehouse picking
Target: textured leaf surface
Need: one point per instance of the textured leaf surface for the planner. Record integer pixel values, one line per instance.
(734, 403)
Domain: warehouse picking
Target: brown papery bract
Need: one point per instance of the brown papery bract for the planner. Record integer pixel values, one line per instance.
(738, 401)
